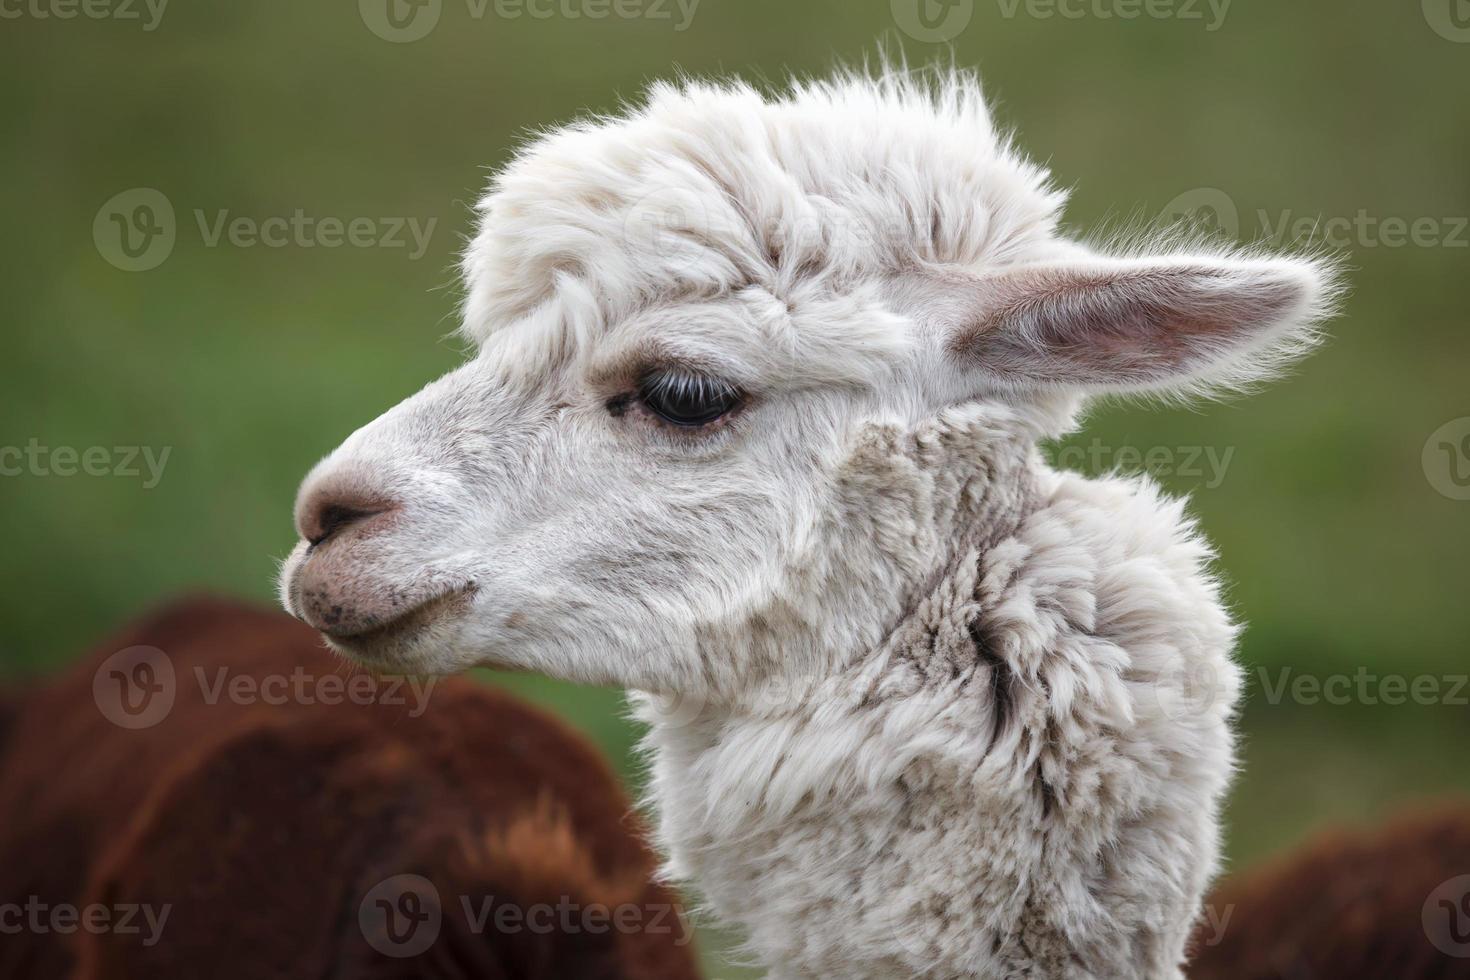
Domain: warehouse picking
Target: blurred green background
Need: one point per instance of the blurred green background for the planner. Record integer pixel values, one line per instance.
(1343, 542)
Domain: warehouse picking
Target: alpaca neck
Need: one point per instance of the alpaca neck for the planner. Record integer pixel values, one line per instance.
(1021, 780)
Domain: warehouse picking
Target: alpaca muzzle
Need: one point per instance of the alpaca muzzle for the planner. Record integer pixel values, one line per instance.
(349, 576)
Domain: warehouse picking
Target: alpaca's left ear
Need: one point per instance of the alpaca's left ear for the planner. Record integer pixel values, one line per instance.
(1176, 323)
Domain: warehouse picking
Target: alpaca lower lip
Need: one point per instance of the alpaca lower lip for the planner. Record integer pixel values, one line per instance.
(403, 627)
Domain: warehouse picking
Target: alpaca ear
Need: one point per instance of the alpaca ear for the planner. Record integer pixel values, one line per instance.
(1175, 323)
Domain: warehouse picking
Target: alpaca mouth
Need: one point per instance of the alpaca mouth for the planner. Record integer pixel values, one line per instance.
(391, 639)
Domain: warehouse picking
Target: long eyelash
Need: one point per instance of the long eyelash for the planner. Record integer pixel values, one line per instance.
(682, 384)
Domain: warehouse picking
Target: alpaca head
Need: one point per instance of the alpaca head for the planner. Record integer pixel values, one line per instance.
(721, 346)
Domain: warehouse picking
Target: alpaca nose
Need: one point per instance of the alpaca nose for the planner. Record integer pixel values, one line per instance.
(336, 504)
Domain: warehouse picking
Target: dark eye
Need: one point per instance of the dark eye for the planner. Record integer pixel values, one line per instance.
(687, 400)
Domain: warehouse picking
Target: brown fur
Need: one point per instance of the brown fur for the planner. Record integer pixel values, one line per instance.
(265, 826)
(1347, 906)
(9, 708)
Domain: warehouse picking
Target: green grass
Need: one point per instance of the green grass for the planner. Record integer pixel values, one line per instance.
(251, 363)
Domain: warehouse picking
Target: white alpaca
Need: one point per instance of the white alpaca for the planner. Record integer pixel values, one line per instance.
(752, 430)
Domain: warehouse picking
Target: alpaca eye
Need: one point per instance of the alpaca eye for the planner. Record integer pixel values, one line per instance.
(687, 400)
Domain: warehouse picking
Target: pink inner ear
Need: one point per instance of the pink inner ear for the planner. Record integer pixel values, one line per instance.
(1120, 324)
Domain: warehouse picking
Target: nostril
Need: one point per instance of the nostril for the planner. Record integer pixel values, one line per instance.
(329, 507)
(338, 499)
(331, 518)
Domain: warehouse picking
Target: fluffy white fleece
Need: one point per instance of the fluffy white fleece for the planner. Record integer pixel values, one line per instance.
(919, 705)
(1022, 780)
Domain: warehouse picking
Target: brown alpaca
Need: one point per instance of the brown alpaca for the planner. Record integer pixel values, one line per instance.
(279, 836)
(1349, 906)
